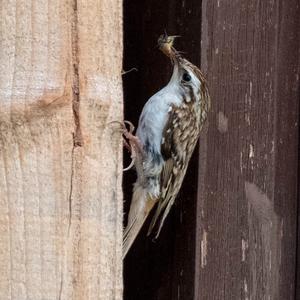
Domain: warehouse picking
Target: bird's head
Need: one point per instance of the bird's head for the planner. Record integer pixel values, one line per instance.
(186, 76)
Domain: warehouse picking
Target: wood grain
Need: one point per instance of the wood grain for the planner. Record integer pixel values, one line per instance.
(247, 209)
(60, 160)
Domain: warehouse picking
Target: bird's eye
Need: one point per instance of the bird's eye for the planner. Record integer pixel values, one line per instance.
(186, 77)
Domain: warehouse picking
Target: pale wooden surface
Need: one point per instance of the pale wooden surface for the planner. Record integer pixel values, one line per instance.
(60, 203)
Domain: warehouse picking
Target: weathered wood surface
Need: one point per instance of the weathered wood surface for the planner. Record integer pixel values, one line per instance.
(247, 210)
(60, 171)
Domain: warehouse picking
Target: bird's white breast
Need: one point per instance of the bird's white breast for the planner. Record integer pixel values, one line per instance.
(155, 115)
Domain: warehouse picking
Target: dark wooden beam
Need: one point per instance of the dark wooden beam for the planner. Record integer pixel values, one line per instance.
(247, 209)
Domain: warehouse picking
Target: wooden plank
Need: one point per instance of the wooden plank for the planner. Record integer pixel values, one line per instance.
(60, 170)
(246, 245)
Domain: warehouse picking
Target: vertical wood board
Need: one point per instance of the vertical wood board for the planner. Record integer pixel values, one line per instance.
(247, 209)
(60, 160)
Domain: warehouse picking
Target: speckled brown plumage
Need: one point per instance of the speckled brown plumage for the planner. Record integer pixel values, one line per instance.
(168, 131)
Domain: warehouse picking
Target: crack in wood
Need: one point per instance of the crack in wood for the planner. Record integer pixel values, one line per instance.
(71, 188)
(78, 141)
(77, 135)
(70, 217)
(60, 288)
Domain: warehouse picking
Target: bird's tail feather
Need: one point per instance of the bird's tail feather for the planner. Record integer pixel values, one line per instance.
(157, 216)
(140, 208)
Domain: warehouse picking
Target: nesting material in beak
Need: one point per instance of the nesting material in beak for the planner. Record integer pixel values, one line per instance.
(165, 44)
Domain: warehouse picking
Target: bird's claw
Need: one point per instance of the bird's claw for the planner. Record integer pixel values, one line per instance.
(133, 143)
(131, 165)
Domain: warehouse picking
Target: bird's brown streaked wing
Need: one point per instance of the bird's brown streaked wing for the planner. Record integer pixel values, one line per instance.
(174, 167)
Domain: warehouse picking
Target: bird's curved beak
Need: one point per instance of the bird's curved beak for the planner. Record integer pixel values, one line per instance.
(175, 57)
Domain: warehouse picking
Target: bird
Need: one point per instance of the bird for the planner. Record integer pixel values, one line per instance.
(167, 133)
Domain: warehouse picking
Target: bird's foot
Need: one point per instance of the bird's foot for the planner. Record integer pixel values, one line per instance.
(131, 142)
